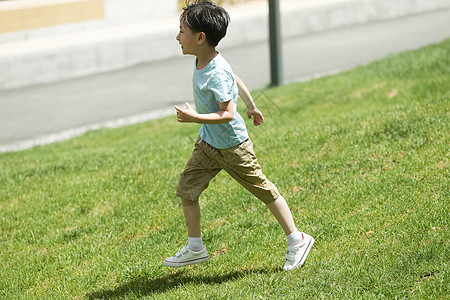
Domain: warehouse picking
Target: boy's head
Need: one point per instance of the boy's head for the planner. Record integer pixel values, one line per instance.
(204, 16)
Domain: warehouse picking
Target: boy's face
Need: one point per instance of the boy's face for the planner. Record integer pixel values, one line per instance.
(187, 39)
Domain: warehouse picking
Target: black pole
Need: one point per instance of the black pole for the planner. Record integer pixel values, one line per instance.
(276, 60)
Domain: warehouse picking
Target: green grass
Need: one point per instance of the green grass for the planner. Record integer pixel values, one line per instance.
(362, 158)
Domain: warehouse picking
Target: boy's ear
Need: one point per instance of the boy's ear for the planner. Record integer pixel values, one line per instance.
(201, 38)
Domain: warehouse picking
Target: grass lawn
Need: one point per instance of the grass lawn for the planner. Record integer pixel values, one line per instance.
(362, 158)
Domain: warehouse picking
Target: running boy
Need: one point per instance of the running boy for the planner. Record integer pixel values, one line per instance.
(223, 142)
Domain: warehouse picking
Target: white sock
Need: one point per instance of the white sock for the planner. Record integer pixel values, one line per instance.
(195, 243)
(294, 238)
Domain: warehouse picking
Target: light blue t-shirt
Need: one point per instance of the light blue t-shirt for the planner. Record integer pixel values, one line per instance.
(214, 83)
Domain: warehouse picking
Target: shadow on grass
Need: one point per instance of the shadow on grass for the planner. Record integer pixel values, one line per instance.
(147, 286)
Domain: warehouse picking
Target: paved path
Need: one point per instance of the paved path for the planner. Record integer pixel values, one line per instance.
(147, 90)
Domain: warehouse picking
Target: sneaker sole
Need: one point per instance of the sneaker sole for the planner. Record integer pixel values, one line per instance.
(173, 264)
(302, 260)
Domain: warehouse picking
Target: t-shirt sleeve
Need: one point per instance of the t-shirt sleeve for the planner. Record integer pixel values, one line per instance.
(222, 86)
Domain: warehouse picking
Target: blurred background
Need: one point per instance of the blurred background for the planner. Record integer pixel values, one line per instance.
(67, 66)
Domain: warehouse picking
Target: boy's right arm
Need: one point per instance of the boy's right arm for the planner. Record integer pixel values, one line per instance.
(252, 110)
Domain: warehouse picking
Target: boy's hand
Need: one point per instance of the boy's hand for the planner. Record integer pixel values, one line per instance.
(258, 118)
(186, 115)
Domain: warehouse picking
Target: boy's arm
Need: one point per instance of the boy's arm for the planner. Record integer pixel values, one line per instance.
(245, 95)
(224, 115)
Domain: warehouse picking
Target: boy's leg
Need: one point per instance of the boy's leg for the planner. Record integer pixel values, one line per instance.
(241, 163)
(299, 243)
(282, 213)
(199, 170)
(195, 252)
(195, 178)
(191, 210)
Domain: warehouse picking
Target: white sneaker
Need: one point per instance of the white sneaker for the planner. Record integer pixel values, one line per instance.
(296, 255)
(187, 257)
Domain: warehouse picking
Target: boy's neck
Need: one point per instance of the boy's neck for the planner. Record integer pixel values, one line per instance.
(205, 57)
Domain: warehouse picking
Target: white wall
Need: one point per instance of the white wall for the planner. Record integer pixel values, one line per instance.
(117, 12)
(125, 11)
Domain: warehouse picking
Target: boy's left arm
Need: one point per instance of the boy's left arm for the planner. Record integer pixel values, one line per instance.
(189, 115)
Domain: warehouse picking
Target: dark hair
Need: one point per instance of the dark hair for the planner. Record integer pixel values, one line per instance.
(205, 16)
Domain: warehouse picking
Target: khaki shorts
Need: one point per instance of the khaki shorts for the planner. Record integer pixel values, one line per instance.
(238, 161)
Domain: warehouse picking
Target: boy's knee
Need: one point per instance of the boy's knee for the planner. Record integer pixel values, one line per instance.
(186, 203)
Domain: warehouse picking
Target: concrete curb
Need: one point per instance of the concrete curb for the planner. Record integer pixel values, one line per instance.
(61, 58)
(74, 132)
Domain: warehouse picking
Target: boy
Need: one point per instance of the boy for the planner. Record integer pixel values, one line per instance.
(223, 142)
